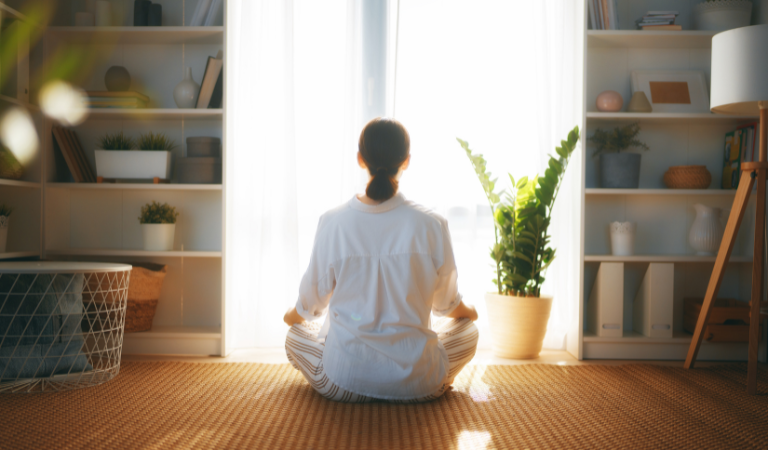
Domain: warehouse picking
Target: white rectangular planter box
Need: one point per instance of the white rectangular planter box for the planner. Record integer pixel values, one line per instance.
(133, 164)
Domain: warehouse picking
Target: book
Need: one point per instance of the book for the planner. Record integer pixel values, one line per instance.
(110, 94)
(662, 28)
(606, 20)
(750, 141)
(213, 12)
(200, 12)
(592, 19)
(67, 143)
(210, 79)
(732, 160)
(661, 13)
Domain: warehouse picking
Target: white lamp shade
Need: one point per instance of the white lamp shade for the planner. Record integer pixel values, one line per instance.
(739, 70)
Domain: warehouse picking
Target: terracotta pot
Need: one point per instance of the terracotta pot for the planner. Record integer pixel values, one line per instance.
(518, 324)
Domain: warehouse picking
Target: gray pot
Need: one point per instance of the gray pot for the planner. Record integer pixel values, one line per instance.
(619, 170)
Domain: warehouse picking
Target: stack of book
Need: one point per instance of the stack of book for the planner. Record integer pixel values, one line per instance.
(68, 152)
(108, 99)
(603, 15)
(740, 146)
(659, 20)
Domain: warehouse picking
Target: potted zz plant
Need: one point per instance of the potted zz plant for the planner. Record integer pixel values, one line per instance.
(517, 311)
(5, 214)
(618, 170)
(118, 160)
(158, 224)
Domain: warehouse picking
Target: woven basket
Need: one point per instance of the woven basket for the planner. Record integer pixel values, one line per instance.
(687, 177)
(143, 293)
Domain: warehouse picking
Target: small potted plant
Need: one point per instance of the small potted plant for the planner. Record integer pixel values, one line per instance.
(517, 311)
(158, 224)
(5, 214)
(721, 15)
(618, 170)
(117, 158)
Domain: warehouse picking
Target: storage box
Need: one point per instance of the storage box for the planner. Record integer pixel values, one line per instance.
(204, 146)
(728, 320)
(198, 170)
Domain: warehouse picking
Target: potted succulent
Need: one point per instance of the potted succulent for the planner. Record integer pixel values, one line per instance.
(118, 160)
(517, 311)
(5, 214)
(158, 224)
(721, 15)
(618, 170)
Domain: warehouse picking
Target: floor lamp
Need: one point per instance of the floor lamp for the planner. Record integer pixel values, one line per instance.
(740, 87)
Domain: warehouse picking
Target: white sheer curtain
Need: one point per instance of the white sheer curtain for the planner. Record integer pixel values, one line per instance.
(293, 90)
(504, 75)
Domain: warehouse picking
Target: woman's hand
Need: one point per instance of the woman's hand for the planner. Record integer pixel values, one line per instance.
(464, 312)
(292, 317)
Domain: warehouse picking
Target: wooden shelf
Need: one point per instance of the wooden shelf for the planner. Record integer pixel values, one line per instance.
(29, 106)
(154, 113)
(144, 253)
(663, 258)
(649, 39)
(19, 183)
(135, 186)
(600, 191)
(14, 255)
(631, 336)
(137, 35)
(174, 340)
(665, 117)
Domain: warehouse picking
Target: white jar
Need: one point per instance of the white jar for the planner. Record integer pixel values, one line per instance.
(707, 231)
(623, 238)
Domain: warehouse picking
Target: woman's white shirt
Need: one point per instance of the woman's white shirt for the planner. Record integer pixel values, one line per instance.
(378, 271)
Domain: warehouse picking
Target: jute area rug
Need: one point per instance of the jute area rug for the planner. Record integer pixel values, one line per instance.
(244, 405)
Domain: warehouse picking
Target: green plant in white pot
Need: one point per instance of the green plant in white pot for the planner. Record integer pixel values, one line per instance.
(5, 214)
(517, 312)
(158, 226)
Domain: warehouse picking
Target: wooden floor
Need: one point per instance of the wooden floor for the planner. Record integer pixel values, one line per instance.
(483, 357)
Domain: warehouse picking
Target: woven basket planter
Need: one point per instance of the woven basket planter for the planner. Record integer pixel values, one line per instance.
(518, 324)
(687, 177)
(143, 293)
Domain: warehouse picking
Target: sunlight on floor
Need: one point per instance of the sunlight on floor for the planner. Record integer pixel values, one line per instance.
(474, 440)
(470, 381)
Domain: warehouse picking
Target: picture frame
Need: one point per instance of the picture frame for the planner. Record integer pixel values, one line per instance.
(673, 91)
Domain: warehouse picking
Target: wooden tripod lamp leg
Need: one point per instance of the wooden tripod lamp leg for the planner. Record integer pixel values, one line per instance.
(757, 284)
(726, 245)
(757, 268)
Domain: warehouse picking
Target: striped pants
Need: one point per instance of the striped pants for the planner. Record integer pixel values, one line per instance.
(305, 353)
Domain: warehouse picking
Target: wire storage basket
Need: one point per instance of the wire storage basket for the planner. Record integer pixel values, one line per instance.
(61, 324)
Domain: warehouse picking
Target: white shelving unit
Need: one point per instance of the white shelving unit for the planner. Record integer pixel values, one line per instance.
(59, 219)
(663, 216)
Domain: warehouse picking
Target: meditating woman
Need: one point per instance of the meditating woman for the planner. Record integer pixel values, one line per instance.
(380, 265)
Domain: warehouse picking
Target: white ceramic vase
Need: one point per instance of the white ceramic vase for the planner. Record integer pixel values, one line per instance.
(158, 237)
(623, 238)
(185, 93)
(3, 232)
(518, 324)
(707, 231)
